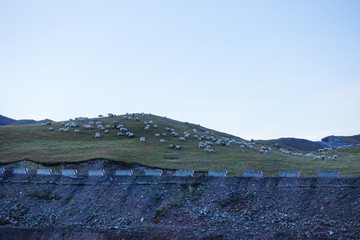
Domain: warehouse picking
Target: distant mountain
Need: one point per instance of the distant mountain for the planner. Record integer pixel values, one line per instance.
(6, 121)
(9, 121)
(307, 145)
(292, 143)
(351, 139)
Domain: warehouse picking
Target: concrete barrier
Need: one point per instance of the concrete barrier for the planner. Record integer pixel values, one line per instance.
(153, 172)
(69, 172)
(254, 174)
(214, 173)
(184, 173)
(20, 170)
(2, 170)
(292, 174)
(44, 171)
(96, 173)
(329, 174)
(124, 172)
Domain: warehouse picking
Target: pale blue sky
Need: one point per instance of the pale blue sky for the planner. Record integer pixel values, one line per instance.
(255, 69)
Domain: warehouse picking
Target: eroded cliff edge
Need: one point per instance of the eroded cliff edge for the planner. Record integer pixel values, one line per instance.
(56, 207)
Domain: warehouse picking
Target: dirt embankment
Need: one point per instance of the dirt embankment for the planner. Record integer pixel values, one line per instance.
(56, 207)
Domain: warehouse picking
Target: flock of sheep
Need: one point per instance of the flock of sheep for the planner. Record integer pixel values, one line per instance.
(206, 141)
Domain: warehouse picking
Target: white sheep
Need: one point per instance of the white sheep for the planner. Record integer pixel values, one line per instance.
(106, 131)
(178, 147)
(51, 129)
(120, 134)
(182, 139)
(97, 135)
(77, 131)
(155, 126)
(162, 140)
(142, 139)
(130, 134)
(157, 135)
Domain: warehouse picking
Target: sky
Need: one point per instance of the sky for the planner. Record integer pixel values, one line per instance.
(254, 69)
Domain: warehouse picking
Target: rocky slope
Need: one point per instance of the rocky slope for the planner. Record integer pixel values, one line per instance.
(55, 207)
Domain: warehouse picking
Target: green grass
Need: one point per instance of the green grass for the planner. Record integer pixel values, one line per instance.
(39, 144)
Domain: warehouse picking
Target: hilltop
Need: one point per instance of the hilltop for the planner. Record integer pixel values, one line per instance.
(37, 143)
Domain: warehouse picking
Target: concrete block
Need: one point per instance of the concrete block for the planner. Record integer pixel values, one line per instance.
(96, 172)
(2, 170)
(289, 174)
(69, 172)
(153, 172)
(44, 171)
(254, 174)
(328, 174)
(20, 171)
(124, 172)
(214, 173)
(184, 173)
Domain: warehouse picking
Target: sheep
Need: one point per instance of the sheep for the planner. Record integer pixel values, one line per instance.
(123, 129)
(167, 129)
(201, 145)
(97, 135)
(171, 146)
(106, 131)
(137, 119)
(125, 117)
(162, 140)
(130, 134)
(147, 128)
(146, 122)
(63, 129)
(178, 147)
(181, 139)
(157, 135)
(155, 126)
(98, 123)
(164, 134)
(194, 130)
(151, 122)
(88, 127)
(120, 134)
(142, 139)
(196, 136)
(77, 131)
(175, 134)
(43, 124)
(51, 129)
(108, 126)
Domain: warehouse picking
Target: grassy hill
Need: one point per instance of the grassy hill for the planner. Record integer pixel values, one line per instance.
(37, 143)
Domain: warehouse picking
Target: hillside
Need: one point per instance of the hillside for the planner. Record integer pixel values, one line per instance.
(37, 143)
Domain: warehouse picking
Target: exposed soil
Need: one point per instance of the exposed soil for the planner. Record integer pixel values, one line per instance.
(56, 207)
